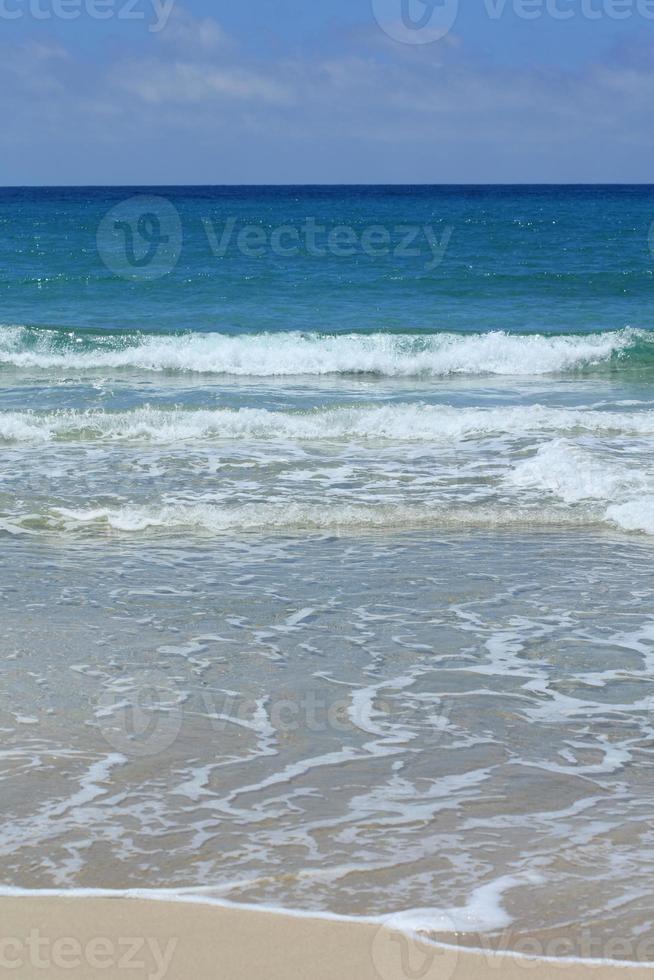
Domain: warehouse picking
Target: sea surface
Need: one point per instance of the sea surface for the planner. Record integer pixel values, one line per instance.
(326, 552)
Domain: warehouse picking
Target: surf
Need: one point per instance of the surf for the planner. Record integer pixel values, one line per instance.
(395, 423)
(295, 353)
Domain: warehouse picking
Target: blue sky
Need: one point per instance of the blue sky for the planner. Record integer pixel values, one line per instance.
(293, 91)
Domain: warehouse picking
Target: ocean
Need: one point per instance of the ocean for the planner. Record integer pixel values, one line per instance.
(326, 541)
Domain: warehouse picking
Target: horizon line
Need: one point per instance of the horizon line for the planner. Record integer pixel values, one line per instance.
(73, 186)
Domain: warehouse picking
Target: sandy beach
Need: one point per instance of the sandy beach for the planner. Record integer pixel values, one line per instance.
(112, 938)
(326, 490)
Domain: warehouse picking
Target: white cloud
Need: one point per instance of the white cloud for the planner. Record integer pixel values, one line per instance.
(186, 32)
(201, 83)
(395, 114)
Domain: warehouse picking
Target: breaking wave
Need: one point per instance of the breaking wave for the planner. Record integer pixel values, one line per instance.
(623, 493)
(403, 422)
(297, 354)
(292, 516)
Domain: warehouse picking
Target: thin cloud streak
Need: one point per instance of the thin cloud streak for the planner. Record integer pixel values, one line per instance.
(386, 114)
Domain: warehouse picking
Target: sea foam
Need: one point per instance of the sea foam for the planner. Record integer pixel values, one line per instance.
(296, 354)
(576, 476)
(401, 422)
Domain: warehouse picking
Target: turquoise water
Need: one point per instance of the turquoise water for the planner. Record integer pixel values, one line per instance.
(560, 260)
(326, 554)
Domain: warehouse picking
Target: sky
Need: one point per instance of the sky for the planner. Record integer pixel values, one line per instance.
(156, 92)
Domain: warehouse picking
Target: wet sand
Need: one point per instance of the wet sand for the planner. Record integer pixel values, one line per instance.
(95, 938)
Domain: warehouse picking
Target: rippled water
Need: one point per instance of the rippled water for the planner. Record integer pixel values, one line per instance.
(545, 430)
(363, 724)
(341, 619)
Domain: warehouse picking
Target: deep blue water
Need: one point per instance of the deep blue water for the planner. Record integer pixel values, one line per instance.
(527, 259)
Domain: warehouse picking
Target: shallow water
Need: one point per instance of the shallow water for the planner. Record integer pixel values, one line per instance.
(353, 619)
(362, 725)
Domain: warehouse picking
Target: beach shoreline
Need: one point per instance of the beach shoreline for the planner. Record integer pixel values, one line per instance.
(326, 581)
(85, 935)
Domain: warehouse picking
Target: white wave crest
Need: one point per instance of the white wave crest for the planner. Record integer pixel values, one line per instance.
(289, 515)
(636, 515)
(576, 476)
(294, 353)
(573, 474)
(403, 422)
